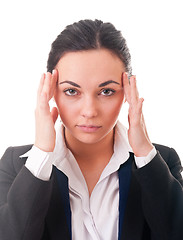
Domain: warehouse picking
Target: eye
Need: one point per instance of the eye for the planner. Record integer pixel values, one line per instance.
(107, 92)
(70, 92)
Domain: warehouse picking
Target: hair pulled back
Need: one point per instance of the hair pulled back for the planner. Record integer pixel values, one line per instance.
(87, 35)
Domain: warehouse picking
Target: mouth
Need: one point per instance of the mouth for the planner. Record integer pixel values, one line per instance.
(89, 128)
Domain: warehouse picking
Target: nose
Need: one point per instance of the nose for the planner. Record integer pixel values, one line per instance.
(89, 107)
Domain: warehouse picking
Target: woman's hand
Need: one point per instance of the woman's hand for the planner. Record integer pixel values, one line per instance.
(45, 120)
(137, 133)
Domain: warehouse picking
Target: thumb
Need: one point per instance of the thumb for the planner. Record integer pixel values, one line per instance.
(54, 114)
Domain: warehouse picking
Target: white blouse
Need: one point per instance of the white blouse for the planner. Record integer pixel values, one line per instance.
(94, 217)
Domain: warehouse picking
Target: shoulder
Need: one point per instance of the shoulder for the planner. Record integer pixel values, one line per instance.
(167, 153)
(16, 151)
(11, 158)
(170, 156)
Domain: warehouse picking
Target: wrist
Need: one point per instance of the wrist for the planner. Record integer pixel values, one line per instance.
(44, 147)
(144, 150)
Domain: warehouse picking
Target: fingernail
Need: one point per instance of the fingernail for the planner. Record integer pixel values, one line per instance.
(53, 72)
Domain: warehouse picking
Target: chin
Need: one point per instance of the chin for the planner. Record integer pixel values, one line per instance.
(92, 138)
(89, 139)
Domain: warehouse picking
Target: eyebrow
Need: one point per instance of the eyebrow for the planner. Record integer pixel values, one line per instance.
(100, 85)
(108, 82)
(72, 83)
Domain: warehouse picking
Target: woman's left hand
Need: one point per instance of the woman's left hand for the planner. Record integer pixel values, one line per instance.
(137, 133)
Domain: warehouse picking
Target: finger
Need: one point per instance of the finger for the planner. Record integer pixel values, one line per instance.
(55, 76)
(135, 113)
(41, 83)
(54, 113)
(53, 82)
(145, 129)
(42, 105)
(140, 105)
(47, 84)
(126, 86)
(134, 91)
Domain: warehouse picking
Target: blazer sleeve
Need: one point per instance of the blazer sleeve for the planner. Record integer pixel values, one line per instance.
(24, 199)
(162, 195)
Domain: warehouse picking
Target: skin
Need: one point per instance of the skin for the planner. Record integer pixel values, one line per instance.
(89, 88)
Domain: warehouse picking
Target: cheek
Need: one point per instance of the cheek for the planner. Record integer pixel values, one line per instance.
(67, 111)
(113, 106)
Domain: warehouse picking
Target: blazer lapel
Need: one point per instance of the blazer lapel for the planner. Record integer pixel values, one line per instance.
(58, 220)
(124, 174)
(134, 225)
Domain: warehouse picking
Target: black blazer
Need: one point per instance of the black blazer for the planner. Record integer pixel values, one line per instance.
(32, 209)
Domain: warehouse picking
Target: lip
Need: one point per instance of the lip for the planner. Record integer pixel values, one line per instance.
(89, 128)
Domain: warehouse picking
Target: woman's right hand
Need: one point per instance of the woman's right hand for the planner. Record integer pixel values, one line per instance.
(45, 119)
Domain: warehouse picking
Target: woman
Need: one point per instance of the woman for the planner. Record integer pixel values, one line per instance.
(90, 178)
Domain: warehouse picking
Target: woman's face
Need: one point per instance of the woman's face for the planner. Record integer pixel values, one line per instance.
(89, 94)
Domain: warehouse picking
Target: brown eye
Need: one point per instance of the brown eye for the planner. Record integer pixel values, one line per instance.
(70, 92)
(107, 92)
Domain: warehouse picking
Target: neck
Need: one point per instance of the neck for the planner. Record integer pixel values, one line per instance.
(93, 151)
(91, 158)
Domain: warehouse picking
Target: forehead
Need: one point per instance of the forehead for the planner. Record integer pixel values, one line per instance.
(90, 64)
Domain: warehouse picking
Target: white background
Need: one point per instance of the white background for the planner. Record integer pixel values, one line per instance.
(154, 34)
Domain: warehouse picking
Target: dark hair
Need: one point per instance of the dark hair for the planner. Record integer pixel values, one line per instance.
(86, 35)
